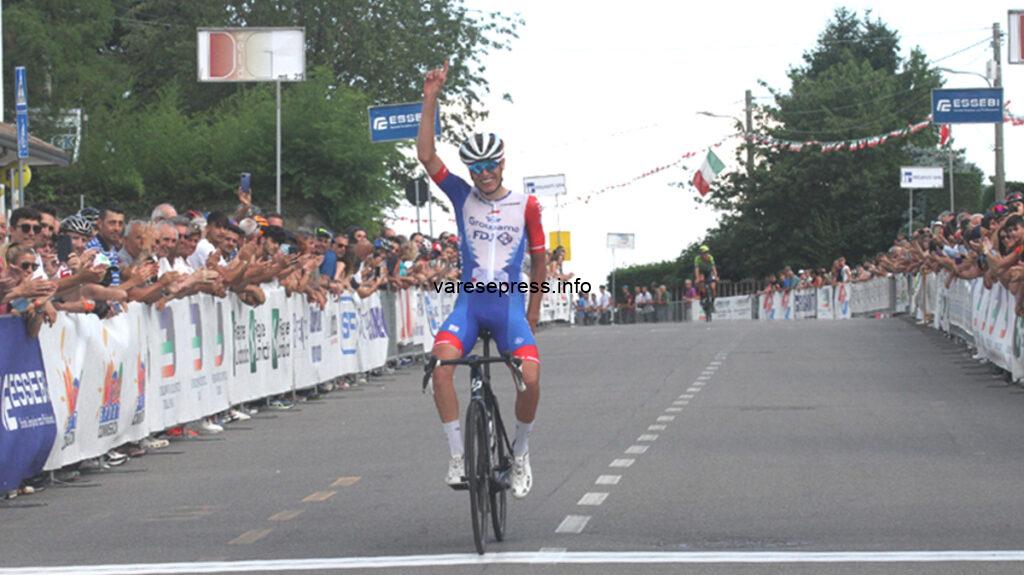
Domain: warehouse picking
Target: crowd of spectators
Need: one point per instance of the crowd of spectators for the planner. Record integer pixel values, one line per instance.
(965, 244)
(96, 261)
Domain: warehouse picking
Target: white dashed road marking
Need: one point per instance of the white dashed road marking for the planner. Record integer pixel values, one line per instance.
(608, 479)
(573, 524)
(666, 418)
(637, 449)
(621, 462)
(657, 427)
(593, 498)
(648, 437)
(674, 409)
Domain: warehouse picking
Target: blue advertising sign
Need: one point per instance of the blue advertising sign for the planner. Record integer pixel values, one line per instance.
(398, 122)
(967, 106)
(22, 121)
(21, 110)
(20, 90)
(27, 424)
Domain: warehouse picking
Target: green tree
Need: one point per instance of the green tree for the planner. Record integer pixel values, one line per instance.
(807, 208)
(154, 133)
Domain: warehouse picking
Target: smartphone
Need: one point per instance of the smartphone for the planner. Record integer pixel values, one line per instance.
(63, 248)
(246, 182)
(20, 304)
(109, 277)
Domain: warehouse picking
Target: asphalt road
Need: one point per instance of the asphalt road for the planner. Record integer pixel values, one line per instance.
(865, 446)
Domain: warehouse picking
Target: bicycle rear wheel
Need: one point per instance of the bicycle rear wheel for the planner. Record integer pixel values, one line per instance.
(478, 471)
(499, 476)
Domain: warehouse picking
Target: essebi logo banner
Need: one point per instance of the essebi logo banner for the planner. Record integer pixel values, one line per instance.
(398, 122)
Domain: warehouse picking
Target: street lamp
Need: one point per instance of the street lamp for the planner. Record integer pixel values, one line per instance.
(964, 72)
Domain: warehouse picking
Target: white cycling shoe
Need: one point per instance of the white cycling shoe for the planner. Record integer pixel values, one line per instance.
(522, 476)
(456, 471)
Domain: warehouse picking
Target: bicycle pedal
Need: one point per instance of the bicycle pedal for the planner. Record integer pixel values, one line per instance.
(464, 486)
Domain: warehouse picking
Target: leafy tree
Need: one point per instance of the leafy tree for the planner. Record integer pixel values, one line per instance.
(154, 133)
(807, 208)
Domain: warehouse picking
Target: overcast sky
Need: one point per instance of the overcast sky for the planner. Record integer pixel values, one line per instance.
(605, 93)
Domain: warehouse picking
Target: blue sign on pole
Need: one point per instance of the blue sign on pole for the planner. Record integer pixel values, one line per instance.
(967, 106)
(21, 110)
(398, 122)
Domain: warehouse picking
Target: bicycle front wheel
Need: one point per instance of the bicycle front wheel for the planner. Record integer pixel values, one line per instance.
(478, 471)
(499, 491)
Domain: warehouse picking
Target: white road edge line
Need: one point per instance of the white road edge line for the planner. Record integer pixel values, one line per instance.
(571, 524)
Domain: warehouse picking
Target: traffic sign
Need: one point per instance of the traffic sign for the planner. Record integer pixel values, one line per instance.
(417, 191)
(920, 177)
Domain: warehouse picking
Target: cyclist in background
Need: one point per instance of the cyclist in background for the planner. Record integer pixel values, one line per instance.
(705, 272)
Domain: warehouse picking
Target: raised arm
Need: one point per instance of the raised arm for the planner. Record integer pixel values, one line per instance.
(425, 150)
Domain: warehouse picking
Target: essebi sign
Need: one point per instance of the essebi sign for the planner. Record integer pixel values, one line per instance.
(967, 106)
(398, 122)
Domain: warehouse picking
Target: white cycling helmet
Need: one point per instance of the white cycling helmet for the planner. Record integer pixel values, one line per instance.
(481, 147)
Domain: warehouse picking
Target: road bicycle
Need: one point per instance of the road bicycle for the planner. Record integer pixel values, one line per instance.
(488, 449)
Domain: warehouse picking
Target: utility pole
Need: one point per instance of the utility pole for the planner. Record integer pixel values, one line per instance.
(749, 135)
(998, 83)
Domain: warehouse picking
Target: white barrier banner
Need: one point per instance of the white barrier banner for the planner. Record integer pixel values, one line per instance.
(871, 296)
(805, 304)
(373, 334)
(992, 333)
(959, 299)
(405, 316)
(825, 298)
(902, 294)
(99, 384)
(841, 303)
(348, 320)
(734, 308)
(917, 297)
(776, 306)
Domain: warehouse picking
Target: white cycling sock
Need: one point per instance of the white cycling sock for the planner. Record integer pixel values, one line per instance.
(521, 444)
(453, 429)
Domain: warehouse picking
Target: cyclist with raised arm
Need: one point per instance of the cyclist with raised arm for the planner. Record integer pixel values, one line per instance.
(497, 227)
(705, 272)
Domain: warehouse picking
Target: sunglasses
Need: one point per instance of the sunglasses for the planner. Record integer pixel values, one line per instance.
(28, 266)
(480, 167)
(35, 229)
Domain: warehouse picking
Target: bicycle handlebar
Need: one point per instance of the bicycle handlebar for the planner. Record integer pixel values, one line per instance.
(514, 363)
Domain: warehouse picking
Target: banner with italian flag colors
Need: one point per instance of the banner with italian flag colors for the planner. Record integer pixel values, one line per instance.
(712, 167)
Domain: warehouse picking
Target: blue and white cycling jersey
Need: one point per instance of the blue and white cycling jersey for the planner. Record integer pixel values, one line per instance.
(494, 236)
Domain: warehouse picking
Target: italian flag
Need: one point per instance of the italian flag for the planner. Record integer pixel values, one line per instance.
(712, 167)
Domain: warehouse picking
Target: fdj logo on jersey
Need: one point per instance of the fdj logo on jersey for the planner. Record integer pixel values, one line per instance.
(110, 409)
(280, 338)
